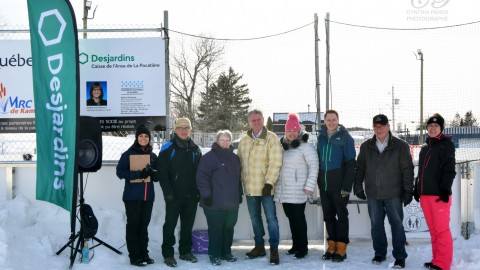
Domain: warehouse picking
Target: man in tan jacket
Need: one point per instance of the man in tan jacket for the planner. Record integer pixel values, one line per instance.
(260, 155)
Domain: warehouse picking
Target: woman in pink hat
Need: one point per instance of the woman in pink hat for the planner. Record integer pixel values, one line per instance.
(296, 182)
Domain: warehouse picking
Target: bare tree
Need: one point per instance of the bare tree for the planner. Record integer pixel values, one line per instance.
(191, 73)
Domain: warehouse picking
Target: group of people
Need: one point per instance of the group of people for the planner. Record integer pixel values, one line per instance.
(267, 169)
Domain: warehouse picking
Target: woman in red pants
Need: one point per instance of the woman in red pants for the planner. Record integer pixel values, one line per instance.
(433, 188)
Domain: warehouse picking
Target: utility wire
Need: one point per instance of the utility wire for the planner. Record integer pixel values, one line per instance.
(242, 39)
(404, 29)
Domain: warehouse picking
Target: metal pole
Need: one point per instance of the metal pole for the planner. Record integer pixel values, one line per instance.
(327, 78)
(421, 96)
(167, 75)
(85, 15)
(317, 75)
(393, 109)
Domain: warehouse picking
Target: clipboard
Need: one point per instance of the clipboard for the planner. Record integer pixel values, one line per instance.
(137, 163)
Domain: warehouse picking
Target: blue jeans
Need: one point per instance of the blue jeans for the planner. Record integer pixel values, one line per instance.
(393, 209)
(254, 203)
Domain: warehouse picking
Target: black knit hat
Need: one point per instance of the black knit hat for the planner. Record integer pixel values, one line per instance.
(436, 118)
(142, 130)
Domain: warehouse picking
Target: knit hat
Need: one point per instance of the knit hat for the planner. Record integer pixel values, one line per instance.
(292, 122)
(436, 118)
(380, 119)
(142, 130)
(182, 122)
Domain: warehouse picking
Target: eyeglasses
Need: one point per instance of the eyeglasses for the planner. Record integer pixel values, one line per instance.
(222, 140)
(183, 128)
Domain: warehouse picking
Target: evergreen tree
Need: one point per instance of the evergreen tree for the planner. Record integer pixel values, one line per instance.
(469, 120)
(269, 124)
(456, 120)
(225, 104)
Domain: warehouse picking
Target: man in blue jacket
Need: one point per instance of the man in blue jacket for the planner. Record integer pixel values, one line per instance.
(336, 151)
(177, 167)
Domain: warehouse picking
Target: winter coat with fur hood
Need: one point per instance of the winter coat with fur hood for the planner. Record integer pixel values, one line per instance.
(299, 171)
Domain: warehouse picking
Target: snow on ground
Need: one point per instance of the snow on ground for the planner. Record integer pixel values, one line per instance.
(31, 232)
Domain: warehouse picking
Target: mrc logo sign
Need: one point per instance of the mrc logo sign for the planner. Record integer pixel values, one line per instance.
(14, 104)
(51, 27)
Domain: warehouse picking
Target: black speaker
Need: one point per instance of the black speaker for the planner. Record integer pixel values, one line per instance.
(89, 145)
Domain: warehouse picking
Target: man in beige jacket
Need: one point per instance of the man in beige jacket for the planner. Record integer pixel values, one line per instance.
(260, 155)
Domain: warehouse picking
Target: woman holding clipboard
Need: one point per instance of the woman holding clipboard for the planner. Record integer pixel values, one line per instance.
(138, 194)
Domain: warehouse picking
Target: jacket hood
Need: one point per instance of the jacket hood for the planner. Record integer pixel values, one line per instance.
(137, 147)
(262, 136)
(373, 140)
(323, 129)
(440, 137)
(183, 143)
(218, 148)
(302, 138)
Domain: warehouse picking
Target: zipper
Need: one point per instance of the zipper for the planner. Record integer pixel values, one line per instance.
(425, 164)
(145, 192)
(327, 158)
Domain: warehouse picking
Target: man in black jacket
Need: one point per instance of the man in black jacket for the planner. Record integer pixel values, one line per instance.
(385, 164)
(177, 167)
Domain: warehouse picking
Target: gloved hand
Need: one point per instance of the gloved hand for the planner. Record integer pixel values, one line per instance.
(361, 195)
(208, 201)
(152, 172)
(144, 173)
(407, 199)
(267, 190)
(444, 196)
(240, 199)
(416, 195)
(169, 199)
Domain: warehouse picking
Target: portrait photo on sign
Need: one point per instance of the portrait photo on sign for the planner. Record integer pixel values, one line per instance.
(96, 93)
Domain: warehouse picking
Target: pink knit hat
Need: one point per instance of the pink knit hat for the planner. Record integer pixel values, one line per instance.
(292, 122)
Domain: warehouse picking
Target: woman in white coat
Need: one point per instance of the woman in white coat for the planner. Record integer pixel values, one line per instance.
(297, 180)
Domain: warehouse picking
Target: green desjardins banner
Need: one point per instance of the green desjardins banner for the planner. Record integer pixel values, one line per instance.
(54, 44)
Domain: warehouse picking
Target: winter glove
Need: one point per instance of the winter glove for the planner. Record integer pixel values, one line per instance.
(416, 195)
(152, 172)
(169, 199)
(407, 199)
(241, 199)
(208, 201)
(144, 173)
(361, 195)
(267, 190)
(444, 196)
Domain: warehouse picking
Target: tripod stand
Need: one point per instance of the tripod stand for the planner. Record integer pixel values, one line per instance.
(79, 236)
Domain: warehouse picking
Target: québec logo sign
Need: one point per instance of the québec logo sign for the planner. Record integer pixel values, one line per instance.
(14, 104)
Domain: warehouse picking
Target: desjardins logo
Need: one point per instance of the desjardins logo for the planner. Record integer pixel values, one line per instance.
(101, 59)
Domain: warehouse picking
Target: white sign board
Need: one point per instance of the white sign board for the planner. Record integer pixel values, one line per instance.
(130, 73)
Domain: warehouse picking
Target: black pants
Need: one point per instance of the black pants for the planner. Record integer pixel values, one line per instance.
(335, 215)
(221, 225)
(298, 225)
(138, 217)
(186, 209)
